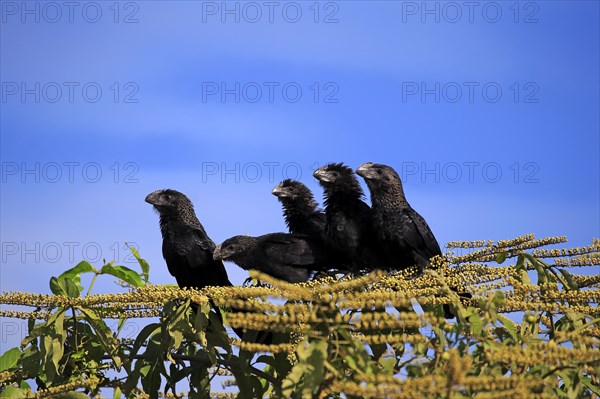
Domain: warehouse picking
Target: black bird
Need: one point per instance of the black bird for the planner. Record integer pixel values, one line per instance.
(289, 257)
(300, 210)
(348, 227)
(404, 238)
(187, 249)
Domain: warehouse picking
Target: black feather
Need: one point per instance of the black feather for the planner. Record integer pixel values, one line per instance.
(187, 249)
(300, 210)
(349, 218)
(289, 257)
(403, 236)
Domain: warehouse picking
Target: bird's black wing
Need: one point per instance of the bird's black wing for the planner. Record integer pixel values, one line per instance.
(295, 250)
(346, 224)
(418, 235)
(315, 225)
(289, 257)
(189, 258)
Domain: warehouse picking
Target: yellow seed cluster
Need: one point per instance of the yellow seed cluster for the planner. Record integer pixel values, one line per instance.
(254, 347)
(578, 261)
(554, 253)
(6, 376)
(469, 244)
(223, 395)
(548, 354)
(421, 387)
(60, 389)
(377, 308)
(489, 253)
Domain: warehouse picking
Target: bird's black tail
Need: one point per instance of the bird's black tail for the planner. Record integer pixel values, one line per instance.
(448, 314)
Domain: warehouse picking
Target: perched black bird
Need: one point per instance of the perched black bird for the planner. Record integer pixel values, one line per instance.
(289, 257)
(187, 249)
(403, 237)
(348, 227)
(300, 210)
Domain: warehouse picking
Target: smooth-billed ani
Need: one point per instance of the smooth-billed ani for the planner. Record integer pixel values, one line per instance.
(289, 257)
(404, 238)
(348, 227)
(187, 249)
(300, 211)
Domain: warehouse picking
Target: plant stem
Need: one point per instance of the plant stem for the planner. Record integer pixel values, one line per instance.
(92, 284)
(74, 330)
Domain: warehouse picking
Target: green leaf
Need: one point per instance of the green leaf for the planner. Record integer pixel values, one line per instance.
(143, 336)
(501, 257)
(55, 287)
(30, 360)
(292, 380)
(70, 288)
(102, 331)
(510, 327)
(499, 299)
(476, 325)
(13, 393)
(64, 286)
(56, 352)
(388, 363)
(72, 395)
(9, 359)
(316, 359)
(142, 262)
(49, 367)
(133, 377)
(587, 381)
(57, 320)
(542, 274)
(571, 283)
(123, 273)
(307, 375)
(177, 338)
(73, 273)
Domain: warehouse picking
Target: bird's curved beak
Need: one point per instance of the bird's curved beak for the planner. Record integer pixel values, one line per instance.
(217, 255)
(364, 170)
(152, 198)
(322, 175)
(278, 191)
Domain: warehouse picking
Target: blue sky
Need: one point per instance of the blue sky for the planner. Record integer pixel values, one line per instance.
(492, 119)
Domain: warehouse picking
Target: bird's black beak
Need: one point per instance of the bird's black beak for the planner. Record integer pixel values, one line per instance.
(278, 191)
(152, 198)
(365, 170)
(217, 255)
(323, 176)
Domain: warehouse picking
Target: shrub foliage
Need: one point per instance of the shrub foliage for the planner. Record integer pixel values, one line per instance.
(529, 331)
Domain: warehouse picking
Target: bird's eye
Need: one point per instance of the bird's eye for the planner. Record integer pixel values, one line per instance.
(379, 171)
(230, 247)
(335, 174)
(292, 188)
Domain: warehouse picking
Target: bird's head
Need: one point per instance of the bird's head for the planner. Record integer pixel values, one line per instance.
(337, 177)
(377, 175)
(167, 200)
(291, 189)
(231, 247)
(333, 174)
